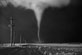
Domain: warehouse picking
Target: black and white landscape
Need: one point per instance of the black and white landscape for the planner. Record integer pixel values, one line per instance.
(42, 22)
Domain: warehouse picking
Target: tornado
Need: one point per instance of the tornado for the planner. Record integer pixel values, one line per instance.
(38, 6)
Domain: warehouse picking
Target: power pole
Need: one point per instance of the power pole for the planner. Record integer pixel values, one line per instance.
(12, 33)
(11, 30)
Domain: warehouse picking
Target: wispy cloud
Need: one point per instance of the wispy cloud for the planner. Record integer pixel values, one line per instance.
(30, 3)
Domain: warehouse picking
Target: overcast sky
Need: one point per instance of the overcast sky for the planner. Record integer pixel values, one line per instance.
(57, 25)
